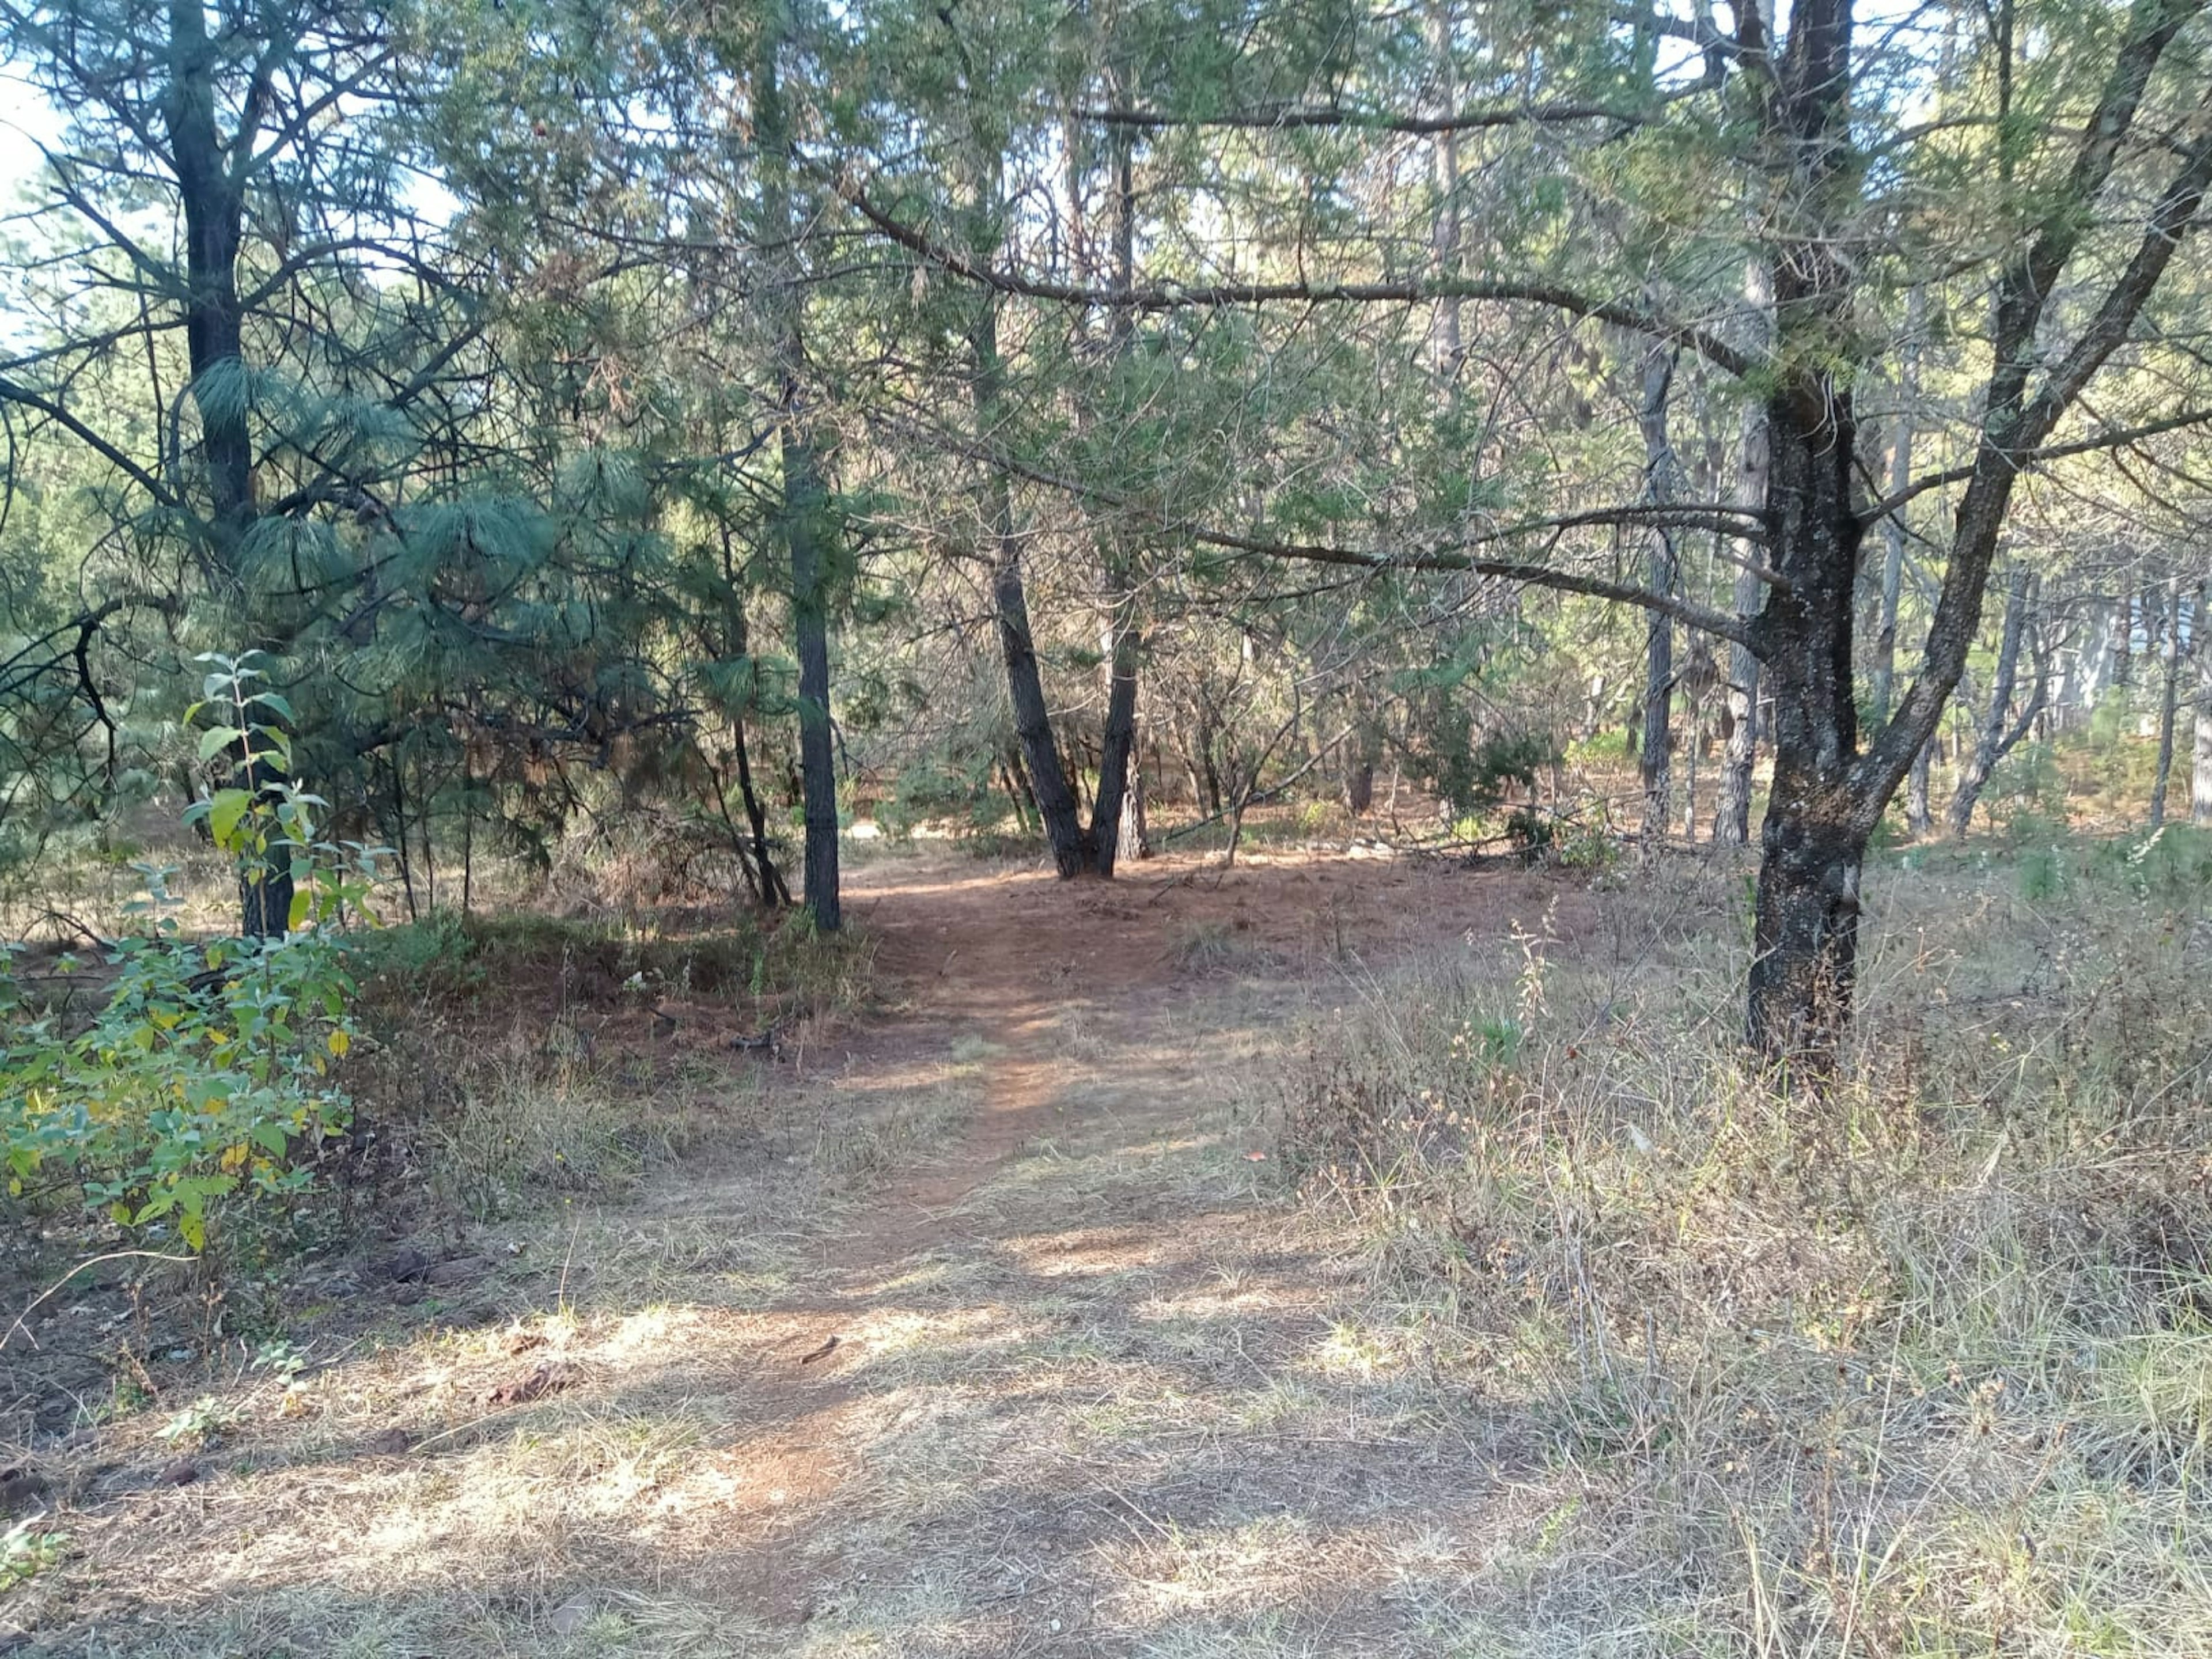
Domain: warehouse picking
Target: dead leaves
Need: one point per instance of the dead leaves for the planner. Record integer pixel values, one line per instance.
(549, 1378)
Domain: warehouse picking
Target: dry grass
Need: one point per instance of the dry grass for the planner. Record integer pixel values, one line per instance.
(1920, 1367)
(1469, 1304)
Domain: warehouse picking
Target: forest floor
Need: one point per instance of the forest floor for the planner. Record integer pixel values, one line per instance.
(984, 1330)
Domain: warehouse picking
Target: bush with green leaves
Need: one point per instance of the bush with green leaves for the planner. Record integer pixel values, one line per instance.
(953, 785)
(202, 1089)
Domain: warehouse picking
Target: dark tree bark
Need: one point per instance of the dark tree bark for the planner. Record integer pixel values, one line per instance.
(211, 192)
(1661, 489)
(1812, 845)
(804, 509)
(1829, 796)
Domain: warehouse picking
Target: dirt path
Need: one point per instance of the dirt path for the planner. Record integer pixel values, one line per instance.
(1067, 1376)
(1082, 1387)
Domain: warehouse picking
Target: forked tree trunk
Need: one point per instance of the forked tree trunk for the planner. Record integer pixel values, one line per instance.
(1055, 801)
(1827, 797)
(1995, 741)
(772, 891)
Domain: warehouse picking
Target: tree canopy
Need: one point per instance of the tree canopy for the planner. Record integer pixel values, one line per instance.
(986, 409)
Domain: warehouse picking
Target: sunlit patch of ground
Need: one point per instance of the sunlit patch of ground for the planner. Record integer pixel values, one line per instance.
(1008, 1344)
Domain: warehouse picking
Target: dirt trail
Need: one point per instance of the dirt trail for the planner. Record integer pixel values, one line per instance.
(1068, 992)
(1057, 1372)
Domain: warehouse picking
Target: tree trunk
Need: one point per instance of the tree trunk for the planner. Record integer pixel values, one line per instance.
(771, 891)
(214, 203)
(1883, 676)
(2169, 698)
(1136, 837)
(805, 512)
(211, 195)
(1828, 798)
(1992, 745)
(1118, 737)
(1055, 802)
(2200, 647)
(1919, 816)
(1813, 844)
(1660, 489)
(1740, 720)
(1025, 800)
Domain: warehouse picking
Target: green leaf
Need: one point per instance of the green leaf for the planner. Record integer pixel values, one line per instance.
(301, 898)
(224, 813)
(275, 701)
(216, 739)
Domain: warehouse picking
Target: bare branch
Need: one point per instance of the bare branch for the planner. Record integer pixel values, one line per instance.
(2121, 439)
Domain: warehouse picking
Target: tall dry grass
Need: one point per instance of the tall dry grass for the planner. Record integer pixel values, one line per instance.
(1921, 1365)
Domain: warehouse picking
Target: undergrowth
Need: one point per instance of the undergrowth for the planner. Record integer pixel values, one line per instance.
(1921, 1366)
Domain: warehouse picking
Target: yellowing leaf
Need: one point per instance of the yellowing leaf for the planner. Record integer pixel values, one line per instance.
(227, 809)
(340, 1042)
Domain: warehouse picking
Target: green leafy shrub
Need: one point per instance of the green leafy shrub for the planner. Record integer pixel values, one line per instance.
(953, 785)
(203, 1087)
(1474, 775)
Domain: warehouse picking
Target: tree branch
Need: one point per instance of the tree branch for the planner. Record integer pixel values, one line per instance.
(1304, 118)
(2119, 440)
(1174, 297)
(1449, 556)
(11, 392)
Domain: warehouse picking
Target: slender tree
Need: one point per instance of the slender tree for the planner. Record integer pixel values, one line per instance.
(803, 513)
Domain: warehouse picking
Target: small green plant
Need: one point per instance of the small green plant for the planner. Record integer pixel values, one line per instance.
(2043, 874)
(280, 1358)
(199, 1422)
(27, 1550)
(204, 1081)
(1529, 832)
(1586, 841)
